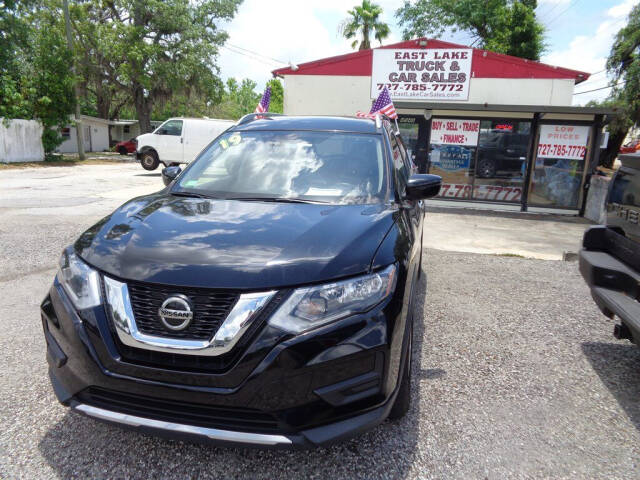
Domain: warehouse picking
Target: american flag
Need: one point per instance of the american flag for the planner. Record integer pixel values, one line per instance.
(383, 104)
(263, 106)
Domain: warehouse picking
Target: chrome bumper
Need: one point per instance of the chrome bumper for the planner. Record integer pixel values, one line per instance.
(209, 433)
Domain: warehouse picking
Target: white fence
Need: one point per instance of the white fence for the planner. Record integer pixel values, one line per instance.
(20, 141)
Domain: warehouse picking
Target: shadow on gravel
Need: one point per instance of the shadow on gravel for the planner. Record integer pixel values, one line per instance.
(619, 369)
(80, 447)
(148, 175)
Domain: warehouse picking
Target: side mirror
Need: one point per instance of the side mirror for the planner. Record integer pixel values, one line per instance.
(422, 185)
(169, 174)
(162, 131)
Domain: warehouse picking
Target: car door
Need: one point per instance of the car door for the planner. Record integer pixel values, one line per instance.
(170, 141)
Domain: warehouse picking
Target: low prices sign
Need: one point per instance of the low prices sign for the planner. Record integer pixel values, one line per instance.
(563, 141)
(422, 74)
(455, 132)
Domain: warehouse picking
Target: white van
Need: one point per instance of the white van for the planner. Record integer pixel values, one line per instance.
(178, 140)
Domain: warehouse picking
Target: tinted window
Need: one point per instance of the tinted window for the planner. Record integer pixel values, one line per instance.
(325, 166)
(171, 127)
(399, 162)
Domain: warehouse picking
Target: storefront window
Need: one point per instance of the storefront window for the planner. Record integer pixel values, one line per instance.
(452, 153)
(559, 166)
(501, 164)
(409, 131)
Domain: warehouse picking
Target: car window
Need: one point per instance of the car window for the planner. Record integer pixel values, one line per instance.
(335, 167)
(171, 127)
(399, 164)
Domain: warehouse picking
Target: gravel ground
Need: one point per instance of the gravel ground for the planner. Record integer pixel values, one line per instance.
(515, 373)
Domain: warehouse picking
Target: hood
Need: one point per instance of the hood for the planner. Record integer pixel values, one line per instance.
(196, 242)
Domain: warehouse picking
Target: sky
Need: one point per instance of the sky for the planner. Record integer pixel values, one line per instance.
(265, 35)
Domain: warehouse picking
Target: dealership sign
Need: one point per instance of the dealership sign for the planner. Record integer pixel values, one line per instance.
(446, 131)
(422, 74)
(563, 141)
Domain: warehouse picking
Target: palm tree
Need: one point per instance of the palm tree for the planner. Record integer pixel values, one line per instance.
(364, 18)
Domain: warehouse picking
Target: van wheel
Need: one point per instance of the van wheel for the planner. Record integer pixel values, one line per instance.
(486, 168)
(149, 160)
(403, 400)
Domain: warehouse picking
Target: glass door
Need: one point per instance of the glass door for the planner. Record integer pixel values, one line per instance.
(501, 165)
(559, 165)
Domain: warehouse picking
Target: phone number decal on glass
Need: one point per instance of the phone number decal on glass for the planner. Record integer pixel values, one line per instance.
(555, 150)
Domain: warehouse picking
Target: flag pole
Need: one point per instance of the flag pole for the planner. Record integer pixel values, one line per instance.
(397, 127)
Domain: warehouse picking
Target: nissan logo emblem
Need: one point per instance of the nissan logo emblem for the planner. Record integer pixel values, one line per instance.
(175, 313)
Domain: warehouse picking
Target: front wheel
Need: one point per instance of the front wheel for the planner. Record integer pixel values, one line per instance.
(149, 160)
(486, 168)
(403, 400)
(122, 151)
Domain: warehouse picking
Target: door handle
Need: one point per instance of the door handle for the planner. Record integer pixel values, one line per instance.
(181, 140)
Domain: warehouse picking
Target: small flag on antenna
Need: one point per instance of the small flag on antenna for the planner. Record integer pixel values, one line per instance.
(382, 105)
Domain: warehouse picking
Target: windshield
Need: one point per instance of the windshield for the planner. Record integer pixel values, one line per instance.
(337, 168)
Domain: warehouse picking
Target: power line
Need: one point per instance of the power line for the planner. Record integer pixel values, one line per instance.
(257, 54)
(596, 89)
(548, 12)
(252, 57)
(572, 3)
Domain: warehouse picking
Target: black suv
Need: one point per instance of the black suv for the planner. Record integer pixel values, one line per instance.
(502, 153)
(263, 298)
(610, 258)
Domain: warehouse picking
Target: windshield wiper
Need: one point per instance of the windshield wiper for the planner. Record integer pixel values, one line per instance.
(276, 199)
(188, 194)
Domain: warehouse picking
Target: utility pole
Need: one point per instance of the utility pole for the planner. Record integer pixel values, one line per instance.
(79, 132)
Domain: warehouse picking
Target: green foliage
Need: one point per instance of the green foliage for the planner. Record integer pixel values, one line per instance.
(37, 83)
(237, 100)
(503, 26)
(623, 65)
(149, 51)
(277, 95)
(364, 20)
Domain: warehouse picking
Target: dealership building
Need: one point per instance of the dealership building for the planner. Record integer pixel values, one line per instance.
(497, 128)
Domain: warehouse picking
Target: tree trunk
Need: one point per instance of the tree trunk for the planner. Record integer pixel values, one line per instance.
(143, 109)
(608, 156)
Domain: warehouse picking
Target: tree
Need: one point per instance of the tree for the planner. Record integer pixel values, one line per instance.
(35, 81)
(237, 100)
(364, 20)
(149, 50)
(277, 96)
(503, 26)
(623, 65)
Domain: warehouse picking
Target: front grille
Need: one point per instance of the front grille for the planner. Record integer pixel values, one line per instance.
(210, 308)
(228, 418)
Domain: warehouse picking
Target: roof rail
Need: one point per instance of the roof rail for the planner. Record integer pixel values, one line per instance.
(250, 117)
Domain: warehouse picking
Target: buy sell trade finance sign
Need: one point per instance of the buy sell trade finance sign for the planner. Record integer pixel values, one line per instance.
(440, 74)
(563, 141)
(455, 132)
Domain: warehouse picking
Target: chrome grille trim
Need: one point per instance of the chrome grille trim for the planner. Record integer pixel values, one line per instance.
(240, 318)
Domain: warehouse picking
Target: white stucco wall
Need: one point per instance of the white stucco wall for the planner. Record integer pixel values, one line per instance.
(98, 142)
(21, 141)
(344, 95)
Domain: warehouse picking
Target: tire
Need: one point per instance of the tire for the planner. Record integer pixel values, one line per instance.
(403, 399)
(486, 168)
(149, 160)
(122, 151)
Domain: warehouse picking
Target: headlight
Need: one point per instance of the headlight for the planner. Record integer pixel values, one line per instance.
(311, 307)
(81, 282)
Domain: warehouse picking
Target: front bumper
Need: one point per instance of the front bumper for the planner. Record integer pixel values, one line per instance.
(610, 265)
(277, 392)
